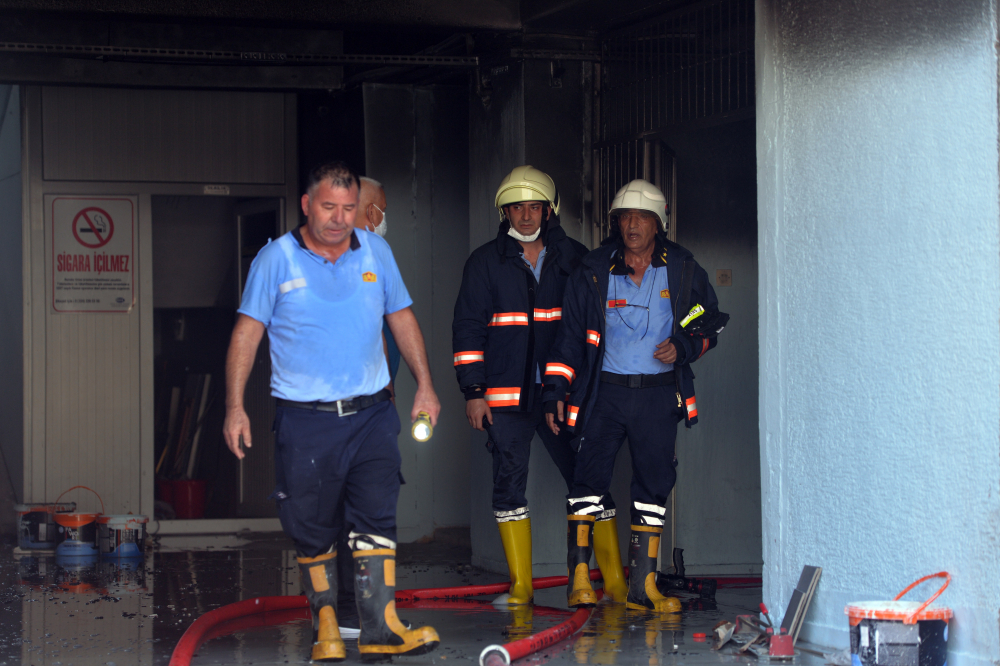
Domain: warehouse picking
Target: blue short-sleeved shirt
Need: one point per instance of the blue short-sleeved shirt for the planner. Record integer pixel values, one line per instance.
(632, 336)
(324, 321)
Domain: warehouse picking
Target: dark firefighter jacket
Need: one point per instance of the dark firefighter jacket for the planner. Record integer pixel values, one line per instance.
(575, 361)
(505, 322)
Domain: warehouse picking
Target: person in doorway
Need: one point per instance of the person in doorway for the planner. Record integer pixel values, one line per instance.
(506, 317)
(320, 291)
(637, 313)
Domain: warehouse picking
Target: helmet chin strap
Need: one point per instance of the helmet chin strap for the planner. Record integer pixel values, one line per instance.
(521, 237)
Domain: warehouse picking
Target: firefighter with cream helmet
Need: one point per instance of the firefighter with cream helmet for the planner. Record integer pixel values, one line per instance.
(507, 314)
(636, 314)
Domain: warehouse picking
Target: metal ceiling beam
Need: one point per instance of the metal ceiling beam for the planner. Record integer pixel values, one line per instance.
(244, 58)
(482, 14)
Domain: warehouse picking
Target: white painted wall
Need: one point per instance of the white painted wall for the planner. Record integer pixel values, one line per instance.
(879, 295)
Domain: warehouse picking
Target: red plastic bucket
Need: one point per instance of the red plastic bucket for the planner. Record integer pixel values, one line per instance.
(165, 488)
(901, 633)
(189, 499)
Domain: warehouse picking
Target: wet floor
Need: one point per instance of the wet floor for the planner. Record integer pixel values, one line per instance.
(64, 613)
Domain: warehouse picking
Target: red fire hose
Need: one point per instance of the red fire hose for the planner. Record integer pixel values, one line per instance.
(265, 611)
(502, 655)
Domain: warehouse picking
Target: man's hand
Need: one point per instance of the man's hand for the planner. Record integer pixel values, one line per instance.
(426, 400)
(475, 410)
(239, 361)
(550, 419)
(665, 352)
(237, 426)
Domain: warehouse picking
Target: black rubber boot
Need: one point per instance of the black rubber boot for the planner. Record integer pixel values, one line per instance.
(382, 633)
(319, 578)
(579, 546)
(644, 546)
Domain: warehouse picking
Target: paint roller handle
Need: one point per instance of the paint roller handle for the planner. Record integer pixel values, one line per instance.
(941, 574)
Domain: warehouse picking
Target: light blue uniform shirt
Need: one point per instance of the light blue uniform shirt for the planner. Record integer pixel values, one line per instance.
(630, 340)
(536, 270)
(324, 321)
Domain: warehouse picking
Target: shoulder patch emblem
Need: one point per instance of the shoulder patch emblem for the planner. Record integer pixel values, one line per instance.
(368, 276)
(664, 293)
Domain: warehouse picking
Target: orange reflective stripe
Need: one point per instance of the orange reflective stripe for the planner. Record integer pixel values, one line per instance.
(509, 319)
(560, 369)
(573, 413)
(507, 396)
(704, 347)
(555, 314)
(692, 407)
(461, 358)
(593, 337)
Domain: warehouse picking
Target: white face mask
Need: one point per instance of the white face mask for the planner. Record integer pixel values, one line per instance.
(384, 226)
(521, 237)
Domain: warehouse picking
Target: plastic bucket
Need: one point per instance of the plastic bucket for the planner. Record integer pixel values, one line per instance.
(121, 536)
(77, 534)
(900, 633)
(189, 499)
(36, 524)
(165, 488)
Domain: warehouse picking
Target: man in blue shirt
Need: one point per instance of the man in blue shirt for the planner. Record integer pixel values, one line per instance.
(320, 292)
(623, 354)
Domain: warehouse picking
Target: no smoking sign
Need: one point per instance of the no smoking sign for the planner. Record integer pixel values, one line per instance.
(93, 251)
(93, 227)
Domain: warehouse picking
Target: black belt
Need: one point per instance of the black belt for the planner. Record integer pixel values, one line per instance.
(638, 381)
(341, 407)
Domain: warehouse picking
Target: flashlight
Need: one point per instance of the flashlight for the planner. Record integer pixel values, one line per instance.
(422, 429)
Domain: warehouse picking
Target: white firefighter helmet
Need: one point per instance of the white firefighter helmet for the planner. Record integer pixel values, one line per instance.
(526, 183)
(641, 195)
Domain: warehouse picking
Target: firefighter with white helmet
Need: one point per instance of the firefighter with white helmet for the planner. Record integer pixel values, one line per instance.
(636, 314)
(508, 311)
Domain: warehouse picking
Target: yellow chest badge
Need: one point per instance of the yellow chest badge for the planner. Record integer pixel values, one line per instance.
(664, 293)
(368, 276)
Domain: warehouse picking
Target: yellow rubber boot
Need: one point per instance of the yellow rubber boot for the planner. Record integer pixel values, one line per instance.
(382, 633)
(516, 538)
(644, 546)
(579, 590)
(609, 559)
(319, 578)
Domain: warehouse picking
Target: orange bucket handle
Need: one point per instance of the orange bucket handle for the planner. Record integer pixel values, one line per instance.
(98, 497)
(941, 574)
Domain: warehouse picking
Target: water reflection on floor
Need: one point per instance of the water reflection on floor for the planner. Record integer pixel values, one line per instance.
(120, 613)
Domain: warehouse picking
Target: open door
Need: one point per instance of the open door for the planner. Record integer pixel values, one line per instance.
(257, 222)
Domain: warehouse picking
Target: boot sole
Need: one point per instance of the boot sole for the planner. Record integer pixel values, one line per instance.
(370, 653)
(666, 606)
(329, 651)
(426, 641)
(582, 599)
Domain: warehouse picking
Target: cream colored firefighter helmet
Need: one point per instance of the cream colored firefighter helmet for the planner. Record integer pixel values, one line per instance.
(526, 183)
(641, 195)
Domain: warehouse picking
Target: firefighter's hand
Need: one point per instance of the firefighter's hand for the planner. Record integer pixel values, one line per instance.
(475, 410)
(550, 419)
(236, 431)
(665, 352)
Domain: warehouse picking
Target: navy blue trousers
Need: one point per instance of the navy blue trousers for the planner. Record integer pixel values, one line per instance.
(324, 462)
(648, 417)
(510, 444)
